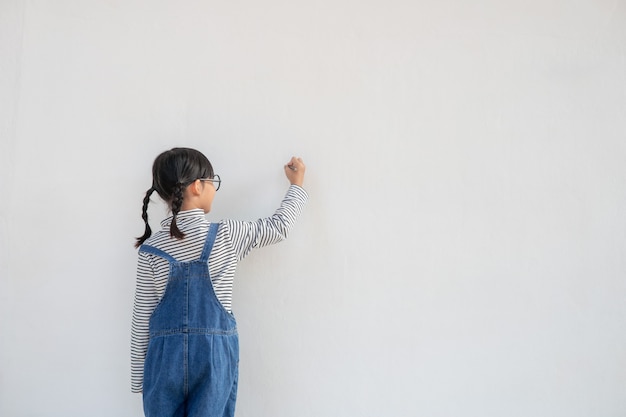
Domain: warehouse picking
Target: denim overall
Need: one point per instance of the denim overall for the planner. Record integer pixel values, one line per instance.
(191, 367)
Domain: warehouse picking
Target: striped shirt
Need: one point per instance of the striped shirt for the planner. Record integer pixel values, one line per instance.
(234, 240)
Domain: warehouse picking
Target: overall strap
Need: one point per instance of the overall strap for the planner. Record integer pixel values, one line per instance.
(157, 252)
(208, 244)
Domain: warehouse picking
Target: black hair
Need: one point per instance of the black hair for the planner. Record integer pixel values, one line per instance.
(172, 172)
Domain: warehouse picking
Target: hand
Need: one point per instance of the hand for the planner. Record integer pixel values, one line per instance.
(294, 170)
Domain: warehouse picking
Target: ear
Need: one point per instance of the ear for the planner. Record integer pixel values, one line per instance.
(195, 188)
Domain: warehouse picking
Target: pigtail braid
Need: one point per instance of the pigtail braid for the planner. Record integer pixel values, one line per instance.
(177, 202)
(144, 215)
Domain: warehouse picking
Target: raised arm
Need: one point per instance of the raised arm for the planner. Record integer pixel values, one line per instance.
(270, 230)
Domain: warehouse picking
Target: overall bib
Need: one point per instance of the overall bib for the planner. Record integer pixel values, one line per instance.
(191, 366)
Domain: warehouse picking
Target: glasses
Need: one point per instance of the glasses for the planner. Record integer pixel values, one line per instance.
(216, 179)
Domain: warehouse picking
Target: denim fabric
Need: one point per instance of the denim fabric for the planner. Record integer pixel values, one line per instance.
(191, 367)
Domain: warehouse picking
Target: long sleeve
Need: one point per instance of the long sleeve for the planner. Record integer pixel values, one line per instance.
(146, 299)
(246, 236)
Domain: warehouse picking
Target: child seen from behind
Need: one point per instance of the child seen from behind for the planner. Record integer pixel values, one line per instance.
(185, 347)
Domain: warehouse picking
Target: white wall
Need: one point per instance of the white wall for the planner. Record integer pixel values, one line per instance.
(463, 251)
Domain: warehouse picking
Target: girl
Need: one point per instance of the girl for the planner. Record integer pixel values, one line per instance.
(185, 349)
